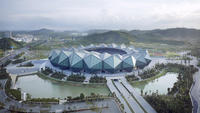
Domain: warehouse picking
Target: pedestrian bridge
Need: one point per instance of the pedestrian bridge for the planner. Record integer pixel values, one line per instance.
(14, 77)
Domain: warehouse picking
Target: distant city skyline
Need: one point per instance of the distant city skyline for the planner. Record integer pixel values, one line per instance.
(98, 14)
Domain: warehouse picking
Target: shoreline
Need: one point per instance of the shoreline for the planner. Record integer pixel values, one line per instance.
(41, 75)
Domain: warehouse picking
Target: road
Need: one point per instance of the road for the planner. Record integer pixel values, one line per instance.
(131, 101)
(125, 92)
(195, 91)
(118, 95)
(138, 97)
(13, 69)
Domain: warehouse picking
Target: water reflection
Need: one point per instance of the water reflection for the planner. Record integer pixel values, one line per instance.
(160, 84)
(39, 87)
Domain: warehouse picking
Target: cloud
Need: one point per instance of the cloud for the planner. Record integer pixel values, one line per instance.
(94, 14)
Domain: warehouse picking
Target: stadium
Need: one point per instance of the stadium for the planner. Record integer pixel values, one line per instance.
(100, 58)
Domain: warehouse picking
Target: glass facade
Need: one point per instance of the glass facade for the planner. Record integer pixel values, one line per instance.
(79, 60)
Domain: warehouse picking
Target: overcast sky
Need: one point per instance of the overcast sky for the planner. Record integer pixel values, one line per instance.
(98, 14)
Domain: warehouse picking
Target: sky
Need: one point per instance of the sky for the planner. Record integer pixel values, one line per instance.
(98, 14)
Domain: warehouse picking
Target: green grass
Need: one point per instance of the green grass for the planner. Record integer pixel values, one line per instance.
(14, 93)
(171, 54)
(1, 53)
(136, 83)
(44, 100)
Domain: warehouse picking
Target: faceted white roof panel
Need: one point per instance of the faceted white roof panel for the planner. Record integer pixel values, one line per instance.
(113, 45)
(91, 60)
(130, 60)
(80, 54)
(62, 57)
(103, 45)
(91, 45)
(75, 58)
(141, 59)
(147, 56)
(55, 53)
(105, 55)
(68, 53)
(122, 46)
(113, 61)
(118, 56)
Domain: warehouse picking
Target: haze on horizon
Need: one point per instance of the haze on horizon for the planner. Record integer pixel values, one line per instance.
(98, 14)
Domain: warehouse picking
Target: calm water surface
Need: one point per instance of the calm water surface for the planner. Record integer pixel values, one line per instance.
(160, 84)
(39, 87)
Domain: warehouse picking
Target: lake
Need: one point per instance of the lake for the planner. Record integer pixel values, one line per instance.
(45, 88)
(160, 84)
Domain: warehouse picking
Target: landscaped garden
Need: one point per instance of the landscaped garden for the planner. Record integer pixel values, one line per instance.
(97, 79)
(59, 75)
(76, 78)
(3, 73)
(28, 64)
(177, 100)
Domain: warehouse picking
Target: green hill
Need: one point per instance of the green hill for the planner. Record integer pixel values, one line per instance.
(7, 43)
(171, 36)
(117, 37)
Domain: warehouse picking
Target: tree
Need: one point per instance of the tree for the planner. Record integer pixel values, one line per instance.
(141, 92)
(113, 94)
(69, 98)
(28, 96)
(92, 94)
(122, 105)
(168, 89)
(82, 96)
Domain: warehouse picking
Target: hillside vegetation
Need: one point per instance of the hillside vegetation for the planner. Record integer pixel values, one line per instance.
(169, 36)
(154, 36)
(7, 43)
(117, 37)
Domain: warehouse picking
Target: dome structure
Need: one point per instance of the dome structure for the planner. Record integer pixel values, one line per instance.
(100, 58)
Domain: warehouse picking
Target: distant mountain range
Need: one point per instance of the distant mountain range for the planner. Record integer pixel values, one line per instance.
(108, 37)
(172, 36)
(175, 34)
